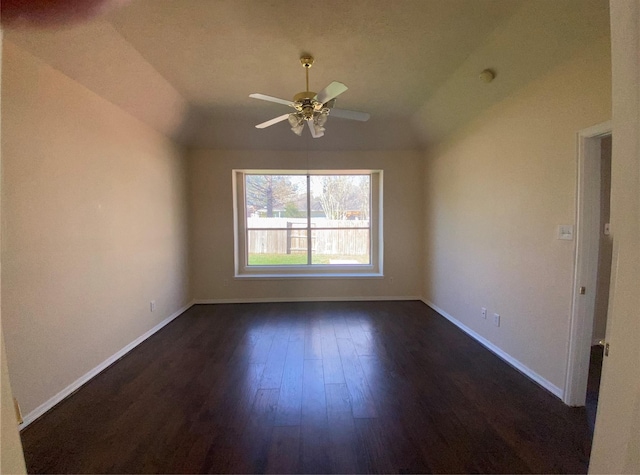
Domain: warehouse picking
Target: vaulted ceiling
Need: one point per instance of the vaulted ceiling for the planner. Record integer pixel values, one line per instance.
(187, 67)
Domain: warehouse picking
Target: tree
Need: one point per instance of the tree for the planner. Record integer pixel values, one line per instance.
(291, 210)
(270, 192)
(343, 193)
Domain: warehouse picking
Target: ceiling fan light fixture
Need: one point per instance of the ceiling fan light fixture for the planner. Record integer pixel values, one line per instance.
(295, 120)
(297, 129)
(307, 111)
(321, 118)
(319, 130)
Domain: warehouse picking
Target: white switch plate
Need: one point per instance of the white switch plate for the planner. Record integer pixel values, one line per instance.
(565, 232)
(484, 312)
(607, 229)
(152, 305)
(496, 319)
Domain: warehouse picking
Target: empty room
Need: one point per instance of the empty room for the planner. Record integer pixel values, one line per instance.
(320, 237)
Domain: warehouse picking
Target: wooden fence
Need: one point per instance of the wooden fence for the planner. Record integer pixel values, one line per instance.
(289, 236)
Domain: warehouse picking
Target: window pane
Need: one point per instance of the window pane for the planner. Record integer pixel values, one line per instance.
(340, 246)
(277, 247)
(337, 198)
(276, 196)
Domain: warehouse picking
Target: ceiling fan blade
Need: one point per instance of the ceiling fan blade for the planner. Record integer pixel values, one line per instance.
(346, 114)
(272, 121)
(332, 90)
(271, 99)
(314, 134)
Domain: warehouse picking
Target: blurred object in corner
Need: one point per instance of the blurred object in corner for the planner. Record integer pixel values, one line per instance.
(43, 13)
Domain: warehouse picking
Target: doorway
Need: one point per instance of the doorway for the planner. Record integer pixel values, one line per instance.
(603, 280)
(592, 270)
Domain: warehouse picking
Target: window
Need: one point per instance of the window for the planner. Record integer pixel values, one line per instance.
(308, 224)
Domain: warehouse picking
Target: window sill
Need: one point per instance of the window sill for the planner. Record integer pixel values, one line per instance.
(340, 275)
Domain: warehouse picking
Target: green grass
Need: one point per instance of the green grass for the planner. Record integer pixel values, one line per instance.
(298, 259)
(277, 259)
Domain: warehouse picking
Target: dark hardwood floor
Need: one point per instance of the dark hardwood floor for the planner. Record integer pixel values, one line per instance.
(380, 387)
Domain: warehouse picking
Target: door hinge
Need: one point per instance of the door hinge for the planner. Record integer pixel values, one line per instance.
(583, 290)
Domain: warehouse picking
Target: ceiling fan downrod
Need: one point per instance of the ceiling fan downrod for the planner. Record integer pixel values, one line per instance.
(307, 62)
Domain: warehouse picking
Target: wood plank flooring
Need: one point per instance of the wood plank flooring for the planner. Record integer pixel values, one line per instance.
(366, 387)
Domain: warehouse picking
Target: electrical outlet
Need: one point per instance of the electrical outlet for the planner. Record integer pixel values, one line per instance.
(225, 282)
(152, 305)
(484, 312)
(496, 319)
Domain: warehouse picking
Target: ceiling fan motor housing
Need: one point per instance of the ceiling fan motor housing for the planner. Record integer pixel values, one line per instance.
(302, 96)
(306, 103)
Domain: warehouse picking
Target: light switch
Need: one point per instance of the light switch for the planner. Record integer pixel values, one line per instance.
(565, 232)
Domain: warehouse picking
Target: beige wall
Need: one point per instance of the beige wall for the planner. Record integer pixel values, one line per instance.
(616, 443)
(93, 228)
(495, 193)
(211, 205)
(11, 456)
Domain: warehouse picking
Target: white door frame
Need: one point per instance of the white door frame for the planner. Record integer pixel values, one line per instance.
(586, 262)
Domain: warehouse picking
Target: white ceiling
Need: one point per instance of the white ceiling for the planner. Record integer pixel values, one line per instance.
(187, 67)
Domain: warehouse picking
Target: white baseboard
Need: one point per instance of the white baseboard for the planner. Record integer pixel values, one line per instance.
(301, 299)
(552, 388)
(42, 408)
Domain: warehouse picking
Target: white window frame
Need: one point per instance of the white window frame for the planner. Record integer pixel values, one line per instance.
(371, 270)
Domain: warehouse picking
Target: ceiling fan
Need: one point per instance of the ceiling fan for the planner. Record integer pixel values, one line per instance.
(312, 108)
